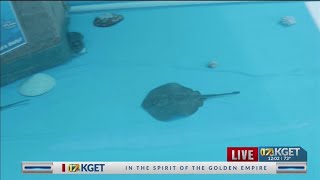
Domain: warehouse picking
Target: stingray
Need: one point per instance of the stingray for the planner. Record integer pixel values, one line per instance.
(172, 100)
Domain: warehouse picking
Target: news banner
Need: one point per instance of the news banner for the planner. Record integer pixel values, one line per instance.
(240, 160)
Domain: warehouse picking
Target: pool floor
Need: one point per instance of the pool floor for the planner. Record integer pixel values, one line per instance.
(94, 113)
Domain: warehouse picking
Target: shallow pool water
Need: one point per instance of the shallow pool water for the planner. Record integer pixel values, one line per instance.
(94, 112)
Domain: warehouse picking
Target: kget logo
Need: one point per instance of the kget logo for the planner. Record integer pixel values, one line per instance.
(84, 167)
(74, 167)
(266, 151)
(280, 151)
(267, 154)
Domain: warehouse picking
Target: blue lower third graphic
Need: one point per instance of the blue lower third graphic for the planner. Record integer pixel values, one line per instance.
(282, 154)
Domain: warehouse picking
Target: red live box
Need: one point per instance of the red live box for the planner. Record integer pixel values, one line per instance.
(242, 154)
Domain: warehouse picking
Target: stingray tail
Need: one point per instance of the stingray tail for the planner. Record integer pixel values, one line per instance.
(216, 95)
(13, 104)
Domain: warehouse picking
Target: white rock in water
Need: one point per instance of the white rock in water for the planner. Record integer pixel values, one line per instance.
(37, 85)
(212, 64)
(83, 51)
(288, 21)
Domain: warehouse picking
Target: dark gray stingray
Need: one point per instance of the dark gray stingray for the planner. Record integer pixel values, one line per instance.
(173, 100)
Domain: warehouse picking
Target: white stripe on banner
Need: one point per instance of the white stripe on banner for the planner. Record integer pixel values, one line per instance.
(149, 167)
(165, 168)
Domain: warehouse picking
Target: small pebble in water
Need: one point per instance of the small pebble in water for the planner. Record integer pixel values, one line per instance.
(212, 64)
(107, 20)
(288, 21)
(83, 51)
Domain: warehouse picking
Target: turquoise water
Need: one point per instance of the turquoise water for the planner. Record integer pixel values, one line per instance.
(79, 3)
(94, 113)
